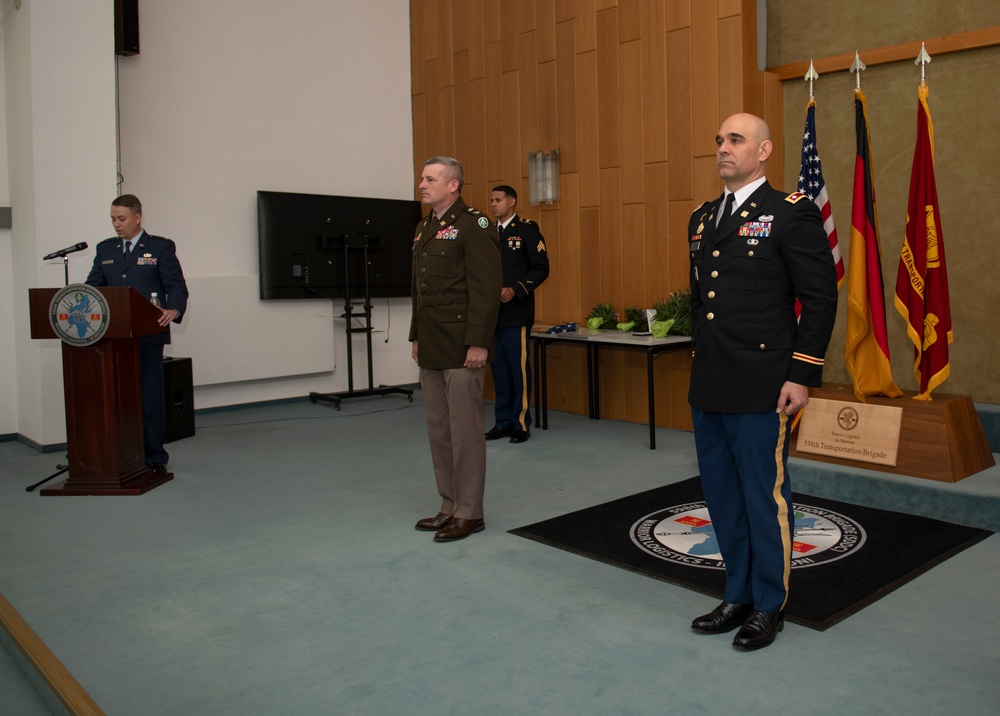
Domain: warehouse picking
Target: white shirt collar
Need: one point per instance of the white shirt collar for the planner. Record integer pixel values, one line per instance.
(743, 193)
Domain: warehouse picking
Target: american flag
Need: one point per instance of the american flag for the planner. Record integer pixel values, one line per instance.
(811, 184)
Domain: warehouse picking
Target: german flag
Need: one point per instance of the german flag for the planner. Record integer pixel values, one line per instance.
(866, 353)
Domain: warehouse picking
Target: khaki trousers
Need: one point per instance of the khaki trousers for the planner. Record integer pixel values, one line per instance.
(453, 400)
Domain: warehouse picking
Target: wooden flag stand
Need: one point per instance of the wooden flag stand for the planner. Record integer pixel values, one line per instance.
(939, 440)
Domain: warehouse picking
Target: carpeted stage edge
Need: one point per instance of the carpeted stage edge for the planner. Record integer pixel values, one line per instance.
(844, 558)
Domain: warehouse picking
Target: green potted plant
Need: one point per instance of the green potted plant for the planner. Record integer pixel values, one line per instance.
(602, 316)
(675, 309)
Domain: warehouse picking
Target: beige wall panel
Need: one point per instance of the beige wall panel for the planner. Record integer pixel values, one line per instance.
(475, 162)
(494, 113)
(656, 220)
(608, 78)
(546, 97)
(510, 114)
(524, 20)
(610, 253)
(631, 100)
(634, 289)
(567, 374)
(566, 96)
(833, 28)
(546, 297)
(588, 164)
(493, 21)
(774, 114)
(445, 47)
(585, 22)
(731, 69)
(654, 82)
(565, 256)
(729, 8)
(419, 137)
(611, 365)
(463, 109)
(460, 27)
(679, 269)
(446, 121)
(425, 21)
(432, 106)
(679, 115)
(636, 406)
(679, 13)
(705, 77)
(528, 92)
(509, 59)
(565, 10)
(630, 20)
(417, 41)
(545, 30)
(602, 5)
(589, 258)
(476, 39)
(707, 184)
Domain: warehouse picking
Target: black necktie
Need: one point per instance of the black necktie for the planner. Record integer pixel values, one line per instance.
(128, 249)
(727, 209)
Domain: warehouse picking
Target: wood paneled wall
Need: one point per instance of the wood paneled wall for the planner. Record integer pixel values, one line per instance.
(631, 93)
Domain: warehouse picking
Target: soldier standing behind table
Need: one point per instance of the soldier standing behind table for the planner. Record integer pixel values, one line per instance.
(525, 266)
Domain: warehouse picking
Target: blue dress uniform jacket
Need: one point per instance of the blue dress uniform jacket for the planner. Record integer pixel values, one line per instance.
(525, 266)
(151, 267)
(745, 277)
(455, 286)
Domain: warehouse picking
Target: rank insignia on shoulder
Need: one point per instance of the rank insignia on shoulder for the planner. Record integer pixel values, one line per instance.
(795, 197)
(526, 221)
(699, 206)
(472, 210)
(540, 247)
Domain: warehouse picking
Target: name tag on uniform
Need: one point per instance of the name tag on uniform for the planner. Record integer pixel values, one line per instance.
(108, 261)
(449, 234)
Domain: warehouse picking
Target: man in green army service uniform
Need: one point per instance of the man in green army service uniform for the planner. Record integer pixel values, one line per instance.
(455, 289)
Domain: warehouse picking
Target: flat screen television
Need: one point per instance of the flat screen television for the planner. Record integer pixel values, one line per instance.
(316, 246)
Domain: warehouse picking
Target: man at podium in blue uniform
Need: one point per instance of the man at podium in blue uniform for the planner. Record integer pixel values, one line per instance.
(149, 265)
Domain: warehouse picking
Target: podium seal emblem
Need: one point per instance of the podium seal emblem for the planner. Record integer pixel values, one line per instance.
(79, 314)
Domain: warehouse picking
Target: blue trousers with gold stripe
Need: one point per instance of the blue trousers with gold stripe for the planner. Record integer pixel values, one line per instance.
(743, 458)
(512, 378)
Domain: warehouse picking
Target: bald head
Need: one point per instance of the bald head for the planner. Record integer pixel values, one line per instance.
(743, 146)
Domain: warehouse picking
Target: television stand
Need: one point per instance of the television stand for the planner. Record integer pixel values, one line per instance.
(357, 242)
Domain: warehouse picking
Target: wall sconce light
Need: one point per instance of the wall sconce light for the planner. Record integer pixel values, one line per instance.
(543, 177)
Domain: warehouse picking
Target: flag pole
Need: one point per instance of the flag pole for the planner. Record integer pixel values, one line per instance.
(923, 59)
(809, 77)
(857, 67)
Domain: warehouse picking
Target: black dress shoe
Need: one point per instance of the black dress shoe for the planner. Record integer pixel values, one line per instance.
(759, 630)
(723, 618)
(157, 467)
(433, 524)
(496, 433)
(458, 529)
(519, 436)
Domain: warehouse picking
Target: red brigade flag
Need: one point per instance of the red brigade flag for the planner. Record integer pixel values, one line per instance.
(866, 350)
(922, 280)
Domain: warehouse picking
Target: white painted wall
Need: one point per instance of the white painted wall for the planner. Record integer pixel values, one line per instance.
(60, 165)
(227, 97)
(230, 97)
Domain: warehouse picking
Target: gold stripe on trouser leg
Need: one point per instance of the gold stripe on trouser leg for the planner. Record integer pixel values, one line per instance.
(779, 500)
(523, 364)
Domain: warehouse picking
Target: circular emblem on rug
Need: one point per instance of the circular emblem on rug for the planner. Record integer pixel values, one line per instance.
(684, 534)
(79, 314)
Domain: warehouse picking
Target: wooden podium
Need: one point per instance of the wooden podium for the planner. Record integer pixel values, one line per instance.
(939, 440)
(103, 396)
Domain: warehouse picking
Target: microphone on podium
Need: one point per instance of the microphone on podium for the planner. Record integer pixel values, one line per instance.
(68, 250)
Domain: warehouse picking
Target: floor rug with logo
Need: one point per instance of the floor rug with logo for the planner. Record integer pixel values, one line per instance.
(844, 556)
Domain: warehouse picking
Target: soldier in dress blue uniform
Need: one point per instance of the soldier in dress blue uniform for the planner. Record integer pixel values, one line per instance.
(751, 368)
(525, 267)
(149, 265)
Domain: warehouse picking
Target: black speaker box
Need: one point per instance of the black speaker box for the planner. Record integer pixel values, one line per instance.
(179, 394)
(126, 27)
